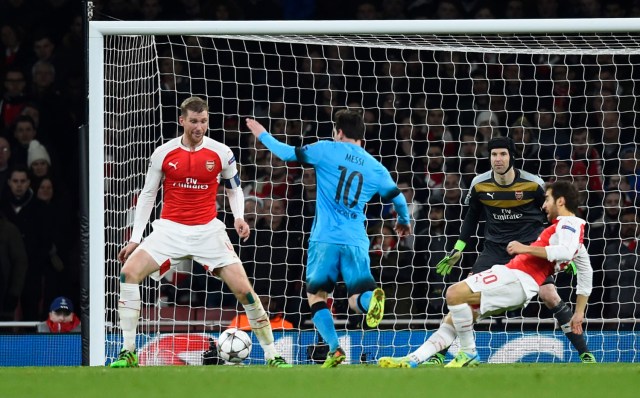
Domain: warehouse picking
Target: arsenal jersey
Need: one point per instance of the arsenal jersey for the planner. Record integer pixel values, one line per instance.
(563, 242)
(190, 180)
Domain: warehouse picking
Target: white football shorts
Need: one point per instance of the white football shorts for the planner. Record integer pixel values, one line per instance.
(502, 289)
(169, 243)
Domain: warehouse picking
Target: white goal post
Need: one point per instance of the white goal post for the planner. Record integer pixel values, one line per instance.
(124, 56)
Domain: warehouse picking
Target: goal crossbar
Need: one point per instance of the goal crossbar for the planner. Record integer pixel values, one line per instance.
(475, 26)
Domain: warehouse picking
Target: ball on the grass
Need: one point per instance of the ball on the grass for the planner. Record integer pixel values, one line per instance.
(234, 345)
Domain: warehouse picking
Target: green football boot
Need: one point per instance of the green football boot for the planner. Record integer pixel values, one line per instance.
(396, 362)
(436, 360)
(376, 308)
(278, 362)
(126, 359)
(464, 360)
(587, 357)
(334, 358)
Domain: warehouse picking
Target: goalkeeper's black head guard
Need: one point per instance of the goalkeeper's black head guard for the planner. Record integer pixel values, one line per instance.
(507, 143)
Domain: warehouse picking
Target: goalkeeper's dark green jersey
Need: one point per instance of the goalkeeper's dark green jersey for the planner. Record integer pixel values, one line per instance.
(511, 212)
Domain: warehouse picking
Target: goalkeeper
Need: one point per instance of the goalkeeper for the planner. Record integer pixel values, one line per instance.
(510, 200)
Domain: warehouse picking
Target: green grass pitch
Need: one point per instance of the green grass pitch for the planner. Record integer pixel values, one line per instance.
(348, 381)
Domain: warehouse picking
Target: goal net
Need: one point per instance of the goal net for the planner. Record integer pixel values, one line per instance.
(431, 99)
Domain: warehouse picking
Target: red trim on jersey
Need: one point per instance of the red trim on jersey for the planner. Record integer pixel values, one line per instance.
(190, 185)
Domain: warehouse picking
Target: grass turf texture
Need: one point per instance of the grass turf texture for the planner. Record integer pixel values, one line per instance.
(349, 381)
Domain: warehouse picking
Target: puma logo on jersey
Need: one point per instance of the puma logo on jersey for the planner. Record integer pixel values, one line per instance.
(490, 194)
(174, 165)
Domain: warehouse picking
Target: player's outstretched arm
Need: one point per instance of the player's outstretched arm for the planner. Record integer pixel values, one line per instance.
(255, 127)
(280, 149)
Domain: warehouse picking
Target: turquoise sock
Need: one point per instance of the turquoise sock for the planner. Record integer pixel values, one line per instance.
(324, 323)
(363, 301)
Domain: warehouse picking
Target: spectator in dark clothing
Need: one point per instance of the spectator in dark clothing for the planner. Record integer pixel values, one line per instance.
(530, 156)
(589, 201)
(32, 219)
(431, 245)
(276, 268)
(554, 135)
(606, 227)
(64, 255)
(44, 49)
(583, 151)
(14, 99)
(630, 170)
(24, 131)
(13, 54)
(621, 268)
(13, 268)
(53, 110)
(5, 157)
(391, 266)
(303, 204)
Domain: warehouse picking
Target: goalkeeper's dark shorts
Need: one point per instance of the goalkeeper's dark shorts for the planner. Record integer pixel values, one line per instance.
(496, 253)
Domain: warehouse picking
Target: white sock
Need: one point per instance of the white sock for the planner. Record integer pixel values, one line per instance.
(129, 311)
(261, 326)
(438, 341)
(463, 322)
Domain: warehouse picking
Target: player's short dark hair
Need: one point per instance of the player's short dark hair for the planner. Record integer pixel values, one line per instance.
(193, 104)
(565, 189)
(351, 123)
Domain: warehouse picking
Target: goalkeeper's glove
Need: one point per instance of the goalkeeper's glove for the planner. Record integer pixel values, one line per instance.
(445, 265)
(571, 269)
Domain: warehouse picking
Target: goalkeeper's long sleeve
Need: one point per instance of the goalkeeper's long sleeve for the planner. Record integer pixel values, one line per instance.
(471, 220)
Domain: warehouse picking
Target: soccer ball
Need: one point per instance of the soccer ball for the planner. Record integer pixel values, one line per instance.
(234, 345)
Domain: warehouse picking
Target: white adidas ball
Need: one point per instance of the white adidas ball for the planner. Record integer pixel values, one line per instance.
(234, 345)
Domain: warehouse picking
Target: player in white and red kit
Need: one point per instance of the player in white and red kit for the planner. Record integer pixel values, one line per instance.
(190, 168)
(506, 287)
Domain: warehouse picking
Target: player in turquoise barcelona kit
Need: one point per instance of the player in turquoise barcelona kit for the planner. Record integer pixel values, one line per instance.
(347, 178)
